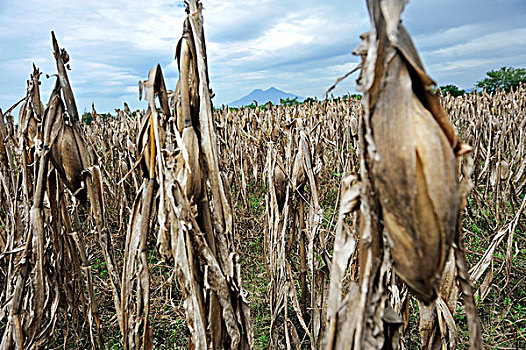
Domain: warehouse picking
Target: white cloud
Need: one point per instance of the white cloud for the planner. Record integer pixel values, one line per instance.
(133, 89)
(489, 43)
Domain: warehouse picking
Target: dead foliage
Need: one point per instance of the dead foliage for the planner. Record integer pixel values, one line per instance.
(176, 145)
(410, 199)
(358, 208)
(45, 256)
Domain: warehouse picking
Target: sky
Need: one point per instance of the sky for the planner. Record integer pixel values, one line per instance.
(300, 47)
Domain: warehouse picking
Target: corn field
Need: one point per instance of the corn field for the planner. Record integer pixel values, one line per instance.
(395, 220)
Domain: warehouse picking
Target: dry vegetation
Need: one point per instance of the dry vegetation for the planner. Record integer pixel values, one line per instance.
(137, 230)
(251, 141)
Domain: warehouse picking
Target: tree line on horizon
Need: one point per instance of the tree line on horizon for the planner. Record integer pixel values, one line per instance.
(504, 78)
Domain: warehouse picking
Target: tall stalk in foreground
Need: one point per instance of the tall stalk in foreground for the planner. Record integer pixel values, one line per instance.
(410, 200)
(49, 268)
(177, 145)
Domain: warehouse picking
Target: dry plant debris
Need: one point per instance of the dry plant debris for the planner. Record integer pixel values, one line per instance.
(136, 231)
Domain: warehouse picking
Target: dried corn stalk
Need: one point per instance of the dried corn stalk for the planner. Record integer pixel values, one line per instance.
(49, 268)
(283, 332)
(297, 244)
(178, 151)
(78, 165)
(339, 309)
(75, 164)
(410, 197)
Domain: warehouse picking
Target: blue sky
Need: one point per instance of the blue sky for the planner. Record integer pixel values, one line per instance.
(297, 46)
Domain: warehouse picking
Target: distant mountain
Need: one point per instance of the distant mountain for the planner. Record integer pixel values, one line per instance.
(263, 96)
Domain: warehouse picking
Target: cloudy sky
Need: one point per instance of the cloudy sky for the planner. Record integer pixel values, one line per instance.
(296, 46)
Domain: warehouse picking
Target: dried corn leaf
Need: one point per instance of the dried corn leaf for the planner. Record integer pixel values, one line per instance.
(414, 168)
(410, 160)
